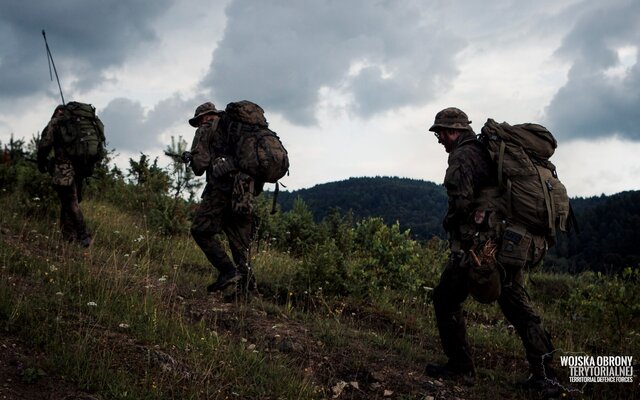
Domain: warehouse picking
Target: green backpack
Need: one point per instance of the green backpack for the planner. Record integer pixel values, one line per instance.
(258, 150)
(532, 195)
(82, 134)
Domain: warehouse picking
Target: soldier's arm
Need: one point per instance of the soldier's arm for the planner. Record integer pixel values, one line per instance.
(45, 145)
(460, 185)
(201, 157)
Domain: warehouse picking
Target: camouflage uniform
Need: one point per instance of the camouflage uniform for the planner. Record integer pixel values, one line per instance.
(470, 169)
(215, 214)
(67, 180)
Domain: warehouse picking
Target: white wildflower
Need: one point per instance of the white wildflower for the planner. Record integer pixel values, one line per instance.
(92, 304)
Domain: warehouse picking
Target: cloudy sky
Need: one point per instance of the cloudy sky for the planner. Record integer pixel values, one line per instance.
(351, 86)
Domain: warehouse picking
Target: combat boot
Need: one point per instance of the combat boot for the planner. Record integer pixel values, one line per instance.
(467, 374)
(225, 278)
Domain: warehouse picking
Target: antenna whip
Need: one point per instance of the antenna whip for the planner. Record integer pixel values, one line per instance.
(50, 61)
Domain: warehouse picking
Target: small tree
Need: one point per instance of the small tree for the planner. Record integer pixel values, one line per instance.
(182, 177)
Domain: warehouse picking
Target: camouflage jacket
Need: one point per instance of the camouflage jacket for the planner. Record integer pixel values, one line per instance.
(210, 141)
(470, 170)
(63, 172)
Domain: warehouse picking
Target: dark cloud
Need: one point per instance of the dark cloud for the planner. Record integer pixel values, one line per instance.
(595, 102)
(128, 126)
(382, 54)
(85, 37)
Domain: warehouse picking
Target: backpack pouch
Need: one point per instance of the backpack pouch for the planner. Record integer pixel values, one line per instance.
(515, 249)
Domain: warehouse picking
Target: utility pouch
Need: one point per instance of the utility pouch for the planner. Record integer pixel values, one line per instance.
(242, 195)
(516, 246)
(486, 276)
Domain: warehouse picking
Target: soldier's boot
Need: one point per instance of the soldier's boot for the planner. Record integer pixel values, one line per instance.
(245, 289)
(86, 242)
(466, 374)
(226, 277)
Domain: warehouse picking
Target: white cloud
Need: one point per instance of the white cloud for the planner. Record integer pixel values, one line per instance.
(351, 87)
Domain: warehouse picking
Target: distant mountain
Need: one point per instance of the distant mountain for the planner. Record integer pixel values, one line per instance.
(609, 238)
(417, 205)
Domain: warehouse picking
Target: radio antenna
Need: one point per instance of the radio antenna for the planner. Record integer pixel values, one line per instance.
(51, 63)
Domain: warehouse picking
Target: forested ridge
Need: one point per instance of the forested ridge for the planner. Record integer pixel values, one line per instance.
(608, 239)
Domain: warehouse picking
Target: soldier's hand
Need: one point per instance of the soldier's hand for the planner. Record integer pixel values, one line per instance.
(43, 164)
(222, 166)
(186, 157)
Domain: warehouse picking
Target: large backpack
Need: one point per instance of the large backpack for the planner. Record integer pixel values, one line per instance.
(532, 194)
(258, 150)
(82, 134)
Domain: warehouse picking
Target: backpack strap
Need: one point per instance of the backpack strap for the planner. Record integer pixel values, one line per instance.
(501, 161)
(548, 202)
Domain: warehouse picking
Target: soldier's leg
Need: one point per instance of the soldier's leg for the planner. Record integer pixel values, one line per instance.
(71, 219)
(206, 226)
(66, 225)
(239, 230)
(516, 306)
(448, 297)
(84, 236)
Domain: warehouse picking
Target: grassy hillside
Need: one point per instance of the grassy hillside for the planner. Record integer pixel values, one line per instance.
(344, 313)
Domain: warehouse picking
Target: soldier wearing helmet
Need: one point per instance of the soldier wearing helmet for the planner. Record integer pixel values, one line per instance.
(211, 152)
(470, 171)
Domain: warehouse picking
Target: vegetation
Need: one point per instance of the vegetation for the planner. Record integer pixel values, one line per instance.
(607, 241)
(417, 205)
(344, 312)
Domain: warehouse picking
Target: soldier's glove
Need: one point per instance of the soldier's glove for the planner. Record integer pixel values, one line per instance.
(186, 157)
(43, 165)
(222, 166)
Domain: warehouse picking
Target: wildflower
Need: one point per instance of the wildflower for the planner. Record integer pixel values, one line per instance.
(53, 268)
(124, 325)
(163, 278)
(92, 304)
(59, 293)
(139, 239)
(116, 232)
(126, 255)
(36, 198)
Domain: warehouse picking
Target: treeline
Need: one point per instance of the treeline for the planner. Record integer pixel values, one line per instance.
(416, 205)
(608, 239)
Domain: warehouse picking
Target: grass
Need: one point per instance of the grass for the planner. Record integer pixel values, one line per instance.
(129, 318)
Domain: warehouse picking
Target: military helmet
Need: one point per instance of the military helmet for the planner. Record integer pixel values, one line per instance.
(203, 109)
(451, 118)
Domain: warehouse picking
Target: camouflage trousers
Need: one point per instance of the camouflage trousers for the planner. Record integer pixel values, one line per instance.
(214, 217)
(515, 304)
(72, 223)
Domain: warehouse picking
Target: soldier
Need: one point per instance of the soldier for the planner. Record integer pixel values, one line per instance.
(469, 171)
(212, 152)
(67, 177)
